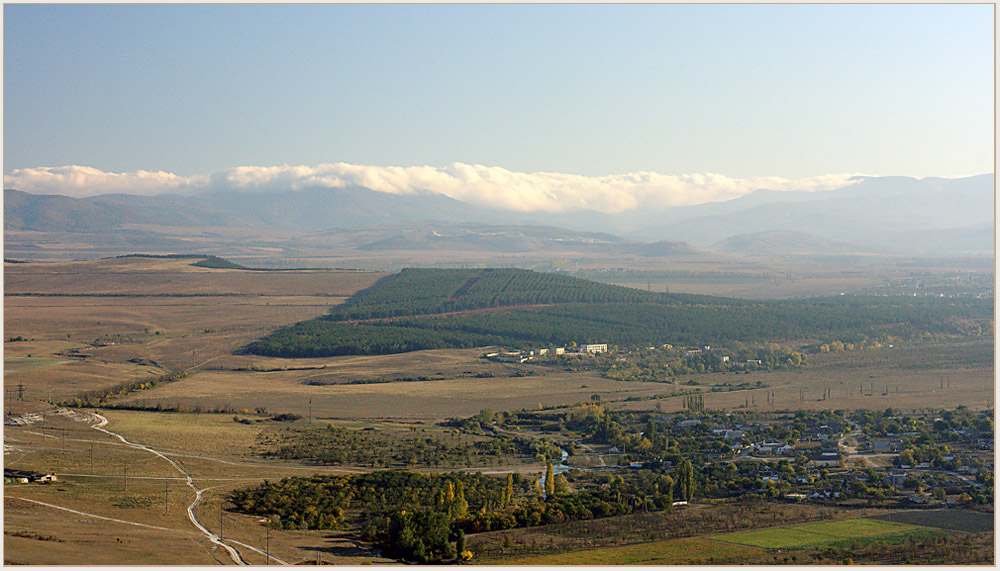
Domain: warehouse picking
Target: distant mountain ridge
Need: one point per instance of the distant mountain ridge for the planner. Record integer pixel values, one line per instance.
(890, 214)
(897, 215)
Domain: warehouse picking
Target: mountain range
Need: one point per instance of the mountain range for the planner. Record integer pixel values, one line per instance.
(873, 215)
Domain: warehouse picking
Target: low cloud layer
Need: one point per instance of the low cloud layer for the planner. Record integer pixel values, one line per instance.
(476, 184)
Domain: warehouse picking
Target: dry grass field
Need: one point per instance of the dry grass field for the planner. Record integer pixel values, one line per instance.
(77, 340)
(902, 378)
(36, 535)
(91, 468)
(165, 276)
(437, 398)
(81, 340)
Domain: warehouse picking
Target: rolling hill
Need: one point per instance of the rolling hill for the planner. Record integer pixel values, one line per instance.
(419, 309)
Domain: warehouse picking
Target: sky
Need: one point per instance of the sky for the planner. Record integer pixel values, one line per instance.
(566, 101)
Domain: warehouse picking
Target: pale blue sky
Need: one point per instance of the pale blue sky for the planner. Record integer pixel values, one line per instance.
(783, 90)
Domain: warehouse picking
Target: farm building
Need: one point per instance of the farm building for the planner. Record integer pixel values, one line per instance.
(24, 476)
(825, 459)
(886, 446)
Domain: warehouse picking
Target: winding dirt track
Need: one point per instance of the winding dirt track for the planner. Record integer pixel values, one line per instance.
(234, 554)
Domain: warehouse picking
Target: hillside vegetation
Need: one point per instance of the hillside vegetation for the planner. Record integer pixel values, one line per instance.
(431, 291)
(433, 309)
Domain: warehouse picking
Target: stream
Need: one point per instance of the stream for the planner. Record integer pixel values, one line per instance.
(557, 469)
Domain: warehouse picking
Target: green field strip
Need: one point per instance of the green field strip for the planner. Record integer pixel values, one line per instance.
(17, 364)
(686, 551)
(815, 533)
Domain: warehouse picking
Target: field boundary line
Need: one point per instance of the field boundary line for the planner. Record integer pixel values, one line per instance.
(95, 516)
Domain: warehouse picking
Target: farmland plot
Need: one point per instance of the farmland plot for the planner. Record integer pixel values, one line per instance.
(815, 533)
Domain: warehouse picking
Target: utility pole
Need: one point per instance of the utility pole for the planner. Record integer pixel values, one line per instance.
(166, 494)
(267, 544)
(310, 410)
(91, 457)
(126, 475)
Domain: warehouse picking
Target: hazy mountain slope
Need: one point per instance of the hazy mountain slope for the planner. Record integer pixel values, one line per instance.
(303, 210)
(781, 243)
(53, 213)
(979, 239)
(891, 214)
(666, 249)
(864, 213)
(169, 210)
(429, 236)
(317, 209)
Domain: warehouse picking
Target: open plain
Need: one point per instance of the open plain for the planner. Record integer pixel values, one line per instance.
(151, 485)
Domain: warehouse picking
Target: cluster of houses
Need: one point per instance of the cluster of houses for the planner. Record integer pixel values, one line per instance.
(517, 356)
(720, 352)
(504, 355)
(827, 454)
(11, 476)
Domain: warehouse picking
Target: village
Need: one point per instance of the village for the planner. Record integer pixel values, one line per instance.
(621, 355)
(932, 459)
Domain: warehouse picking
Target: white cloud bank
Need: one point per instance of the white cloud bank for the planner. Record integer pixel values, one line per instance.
(476, 184)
